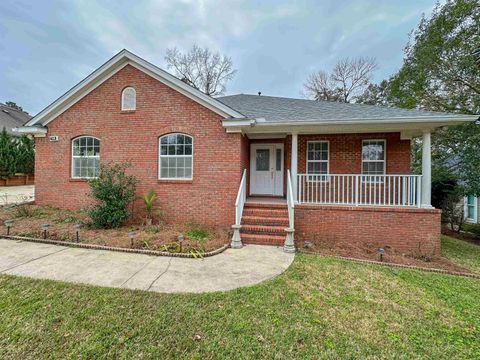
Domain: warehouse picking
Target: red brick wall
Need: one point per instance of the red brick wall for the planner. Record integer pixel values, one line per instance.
(406, 230)
(346, 150)
(217, 163)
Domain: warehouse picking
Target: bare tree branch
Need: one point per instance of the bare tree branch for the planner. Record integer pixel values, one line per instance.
(199, 67)
(348, 80)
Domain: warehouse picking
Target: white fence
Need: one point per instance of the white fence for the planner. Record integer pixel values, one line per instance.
(372, 190)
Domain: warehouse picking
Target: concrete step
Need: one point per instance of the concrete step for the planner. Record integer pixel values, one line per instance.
(265, 220)
(275, 240)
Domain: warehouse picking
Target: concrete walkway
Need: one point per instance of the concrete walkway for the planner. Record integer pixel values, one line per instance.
(229, 270)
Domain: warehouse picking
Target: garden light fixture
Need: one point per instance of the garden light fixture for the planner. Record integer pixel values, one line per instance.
(77, 231)
(381, 251)
(8, 224)
(45, 229)
(180, 239)
(131, 235)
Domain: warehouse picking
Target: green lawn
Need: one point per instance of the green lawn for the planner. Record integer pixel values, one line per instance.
(324, 308)
(461, 252)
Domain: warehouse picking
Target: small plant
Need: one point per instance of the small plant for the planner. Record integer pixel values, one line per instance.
(113, 190)
(27, 211)
(148, 200)
(197, 232)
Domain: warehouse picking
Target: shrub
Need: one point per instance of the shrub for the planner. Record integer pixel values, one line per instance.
(452, 208)
(113, 190)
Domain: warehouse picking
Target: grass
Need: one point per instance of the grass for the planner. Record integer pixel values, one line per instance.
(461, 252)
(319, 308)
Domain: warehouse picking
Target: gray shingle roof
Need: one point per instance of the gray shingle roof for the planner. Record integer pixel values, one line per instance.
(279, 109)
(10, 118)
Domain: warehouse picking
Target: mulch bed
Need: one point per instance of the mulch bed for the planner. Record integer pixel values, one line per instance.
(368, 252)
(28, 220)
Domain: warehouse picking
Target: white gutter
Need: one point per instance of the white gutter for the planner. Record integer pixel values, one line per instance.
(396, 120)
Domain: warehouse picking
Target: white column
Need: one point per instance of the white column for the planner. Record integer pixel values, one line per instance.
(426, 170)
(294, 162)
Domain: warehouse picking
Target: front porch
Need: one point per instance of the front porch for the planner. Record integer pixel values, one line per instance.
(334, 187)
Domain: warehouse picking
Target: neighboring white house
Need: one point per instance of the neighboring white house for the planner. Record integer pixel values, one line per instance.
(471, 204)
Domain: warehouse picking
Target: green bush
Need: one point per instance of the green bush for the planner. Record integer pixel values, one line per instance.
(472, 228)
(113, 190)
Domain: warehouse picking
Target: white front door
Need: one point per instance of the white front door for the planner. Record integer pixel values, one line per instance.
(266, 169)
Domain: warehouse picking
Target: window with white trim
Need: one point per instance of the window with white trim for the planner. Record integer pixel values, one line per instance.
(129, 99)
(85, 157)
(471, 209)
(176, 157)
(317, 158)
(373, 157)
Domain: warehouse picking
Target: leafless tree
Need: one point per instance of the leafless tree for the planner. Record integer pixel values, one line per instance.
(199, 67)
(347, 81)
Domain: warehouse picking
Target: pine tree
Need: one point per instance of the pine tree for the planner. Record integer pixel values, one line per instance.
(8, 152)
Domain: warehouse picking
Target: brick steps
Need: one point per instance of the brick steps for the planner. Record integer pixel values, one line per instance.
(263, 239)
(261, 212)
(265, 220)
(263, 229)
(264, 224)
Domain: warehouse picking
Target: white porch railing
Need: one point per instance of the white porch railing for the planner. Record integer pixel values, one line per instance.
(241, 198)
(289, 239)
(369, 190)
(239, 205)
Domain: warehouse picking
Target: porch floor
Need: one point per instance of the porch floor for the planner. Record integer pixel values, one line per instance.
(265, 200)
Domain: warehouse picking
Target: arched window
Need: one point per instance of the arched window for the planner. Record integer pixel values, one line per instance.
(85, 157)
(129, 99)
(176, 157)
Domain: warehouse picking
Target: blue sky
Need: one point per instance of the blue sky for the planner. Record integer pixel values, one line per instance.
(46, 47)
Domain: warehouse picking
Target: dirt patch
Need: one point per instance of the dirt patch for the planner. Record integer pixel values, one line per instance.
(28, 221)
(369, 252)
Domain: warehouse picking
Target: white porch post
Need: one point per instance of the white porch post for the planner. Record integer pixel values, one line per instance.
(294, 165)
(426, 170)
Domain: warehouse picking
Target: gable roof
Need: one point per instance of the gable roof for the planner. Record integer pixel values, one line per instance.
(111, 67)
(288, 110)
(11, 118)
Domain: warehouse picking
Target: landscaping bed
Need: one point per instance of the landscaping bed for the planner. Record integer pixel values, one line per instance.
(28, 221)
(370, 252)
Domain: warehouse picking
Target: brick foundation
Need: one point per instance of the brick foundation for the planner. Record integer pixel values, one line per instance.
(406, 230)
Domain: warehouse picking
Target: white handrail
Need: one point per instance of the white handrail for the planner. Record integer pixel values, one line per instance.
(290, 201)
(241, 198)
(358, 189)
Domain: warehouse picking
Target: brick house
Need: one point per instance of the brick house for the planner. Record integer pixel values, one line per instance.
(278, 169)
